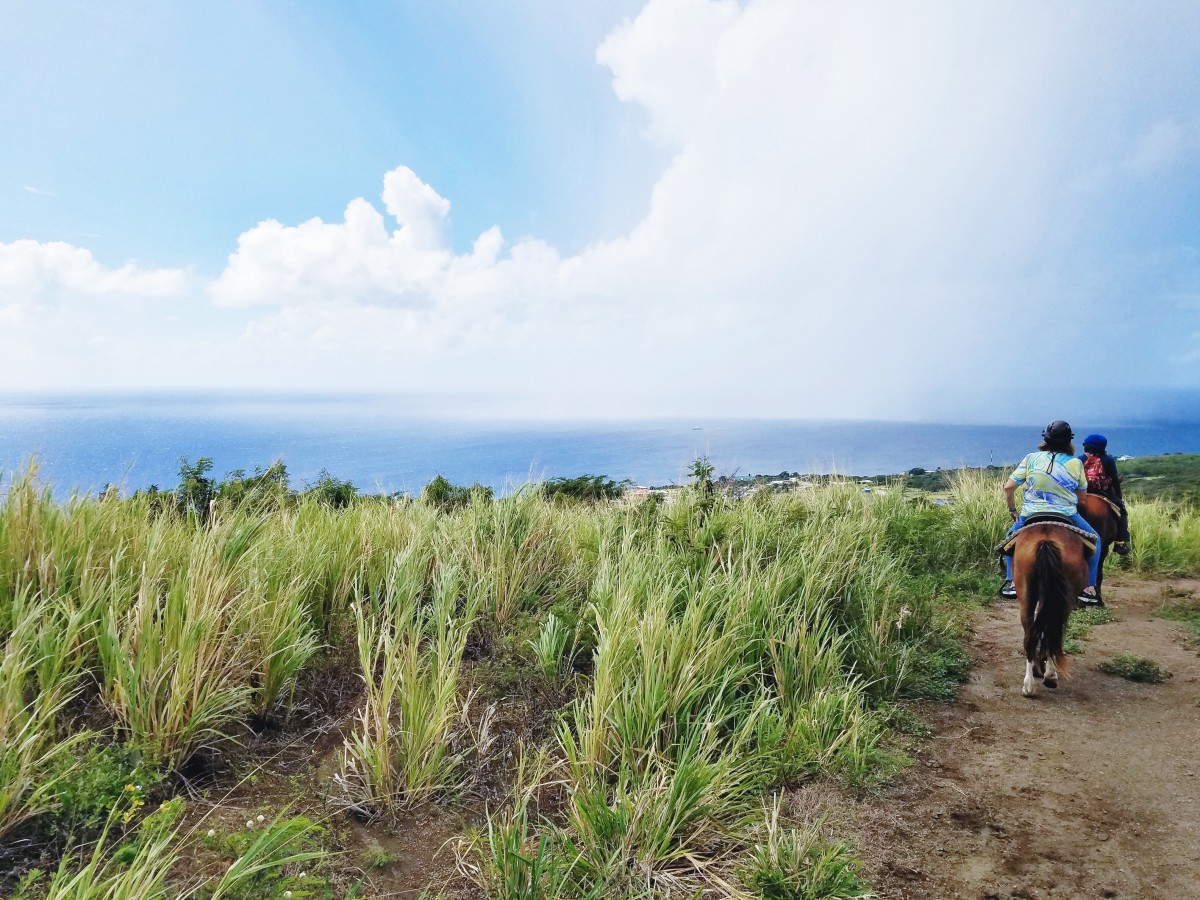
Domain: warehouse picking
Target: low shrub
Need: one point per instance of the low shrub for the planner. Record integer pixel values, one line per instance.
(95, 783)
(331, 491)
(443, 495)
(800, 864)
(584, 488)
(1135, 668)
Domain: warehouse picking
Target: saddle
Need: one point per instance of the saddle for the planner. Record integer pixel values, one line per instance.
(1116, 510)
(1049, 518)
(1010, 541)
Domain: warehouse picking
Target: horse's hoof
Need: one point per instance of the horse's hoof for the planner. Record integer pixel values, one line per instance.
(1051, 683)
(1028, 690)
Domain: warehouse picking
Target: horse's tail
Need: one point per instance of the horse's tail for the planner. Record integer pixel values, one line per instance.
(1052, 604)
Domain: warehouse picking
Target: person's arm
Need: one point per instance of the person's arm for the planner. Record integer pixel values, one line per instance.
(1010, 497)
(1081, 485)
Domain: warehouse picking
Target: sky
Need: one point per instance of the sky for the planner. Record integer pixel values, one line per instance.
(937, 211)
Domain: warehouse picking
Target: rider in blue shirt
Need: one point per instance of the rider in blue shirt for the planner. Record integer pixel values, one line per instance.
(1054, 482)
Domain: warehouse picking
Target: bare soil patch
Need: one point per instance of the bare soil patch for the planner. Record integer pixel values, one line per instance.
(403, 857)
(1092, 790)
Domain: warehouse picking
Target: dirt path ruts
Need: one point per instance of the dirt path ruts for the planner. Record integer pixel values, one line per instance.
(1092, 790)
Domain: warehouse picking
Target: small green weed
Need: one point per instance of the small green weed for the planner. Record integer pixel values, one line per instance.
(876, 769)
(938, 669)
(137, 868)
(550, 647)
(377, 858)
(1135, 668)
(99, 780)
(1081, 623)
(161, 821)
(1187, 612)
(30, 886)
(258, 871)
(900, 718)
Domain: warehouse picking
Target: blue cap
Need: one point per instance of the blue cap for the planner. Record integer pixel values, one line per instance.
(1099, 441)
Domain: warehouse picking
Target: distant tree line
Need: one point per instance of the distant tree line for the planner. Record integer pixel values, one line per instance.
(199, 492)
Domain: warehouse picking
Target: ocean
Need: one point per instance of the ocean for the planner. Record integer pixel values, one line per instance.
(87, 441)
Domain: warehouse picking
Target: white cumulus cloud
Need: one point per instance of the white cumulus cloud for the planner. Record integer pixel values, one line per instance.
(849, 184)
(365, 258)
(30, 271)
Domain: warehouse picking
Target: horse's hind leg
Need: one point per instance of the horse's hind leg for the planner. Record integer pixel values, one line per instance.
(1029, 687)
(1032, 670)
(1051, 673)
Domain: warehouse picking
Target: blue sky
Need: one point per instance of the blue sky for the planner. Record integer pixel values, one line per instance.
(161, 131)
(769, 207)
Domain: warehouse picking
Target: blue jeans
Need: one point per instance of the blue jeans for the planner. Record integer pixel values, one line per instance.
(1079, 522)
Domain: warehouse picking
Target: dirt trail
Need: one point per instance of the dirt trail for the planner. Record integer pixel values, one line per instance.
(1092, 790)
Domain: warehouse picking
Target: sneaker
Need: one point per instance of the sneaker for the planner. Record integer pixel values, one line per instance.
(1008, 591)
(1121, 548)
(1088, 597)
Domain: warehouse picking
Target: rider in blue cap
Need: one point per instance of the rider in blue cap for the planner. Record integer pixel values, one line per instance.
(1104, 479)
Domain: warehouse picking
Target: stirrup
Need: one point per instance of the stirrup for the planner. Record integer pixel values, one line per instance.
(1092, 599)
(1121, 548)
(1008, 590)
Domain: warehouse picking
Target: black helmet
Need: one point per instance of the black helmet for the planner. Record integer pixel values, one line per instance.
(1058, 430)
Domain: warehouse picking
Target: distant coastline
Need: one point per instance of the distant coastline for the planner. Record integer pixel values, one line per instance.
(86, 442)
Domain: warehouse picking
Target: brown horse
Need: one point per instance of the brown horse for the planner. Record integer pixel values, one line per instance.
(1101, 516)
(1049, 571)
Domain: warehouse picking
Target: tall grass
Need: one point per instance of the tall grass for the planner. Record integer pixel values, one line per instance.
(511, 857)
(412, 732)
(1166, 537)
(511, 548)
(721, 650)
(175, 661)
(550, 646)
(37, 680)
